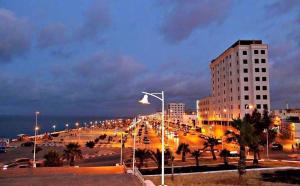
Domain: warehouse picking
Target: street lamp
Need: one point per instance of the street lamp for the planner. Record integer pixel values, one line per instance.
(267, 132)
(67, 126)
(36, 128)
(54, 126)
(162, 99)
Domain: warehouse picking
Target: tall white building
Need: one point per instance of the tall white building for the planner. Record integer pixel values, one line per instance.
(176, 112)
(239, 83)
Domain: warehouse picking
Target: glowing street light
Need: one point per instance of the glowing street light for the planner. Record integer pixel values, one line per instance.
(54, 126)
(144, 100)
(67, 126)
(36, 128)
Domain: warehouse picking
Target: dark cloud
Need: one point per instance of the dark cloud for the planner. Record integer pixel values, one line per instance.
(96, 20)
(52, 35)
(15, 36)
(186, 16)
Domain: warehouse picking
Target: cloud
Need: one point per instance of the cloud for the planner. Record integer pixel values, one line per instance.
(186, 16)
(52, 35)
(15, 36)
(282, 7)
(96, 20)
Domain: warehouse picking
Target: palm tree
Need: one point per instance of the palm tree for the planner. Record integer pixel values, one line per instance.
(52, 159)
(211, 142)
(142, 155)
(196, 154)
(72, 152)
(156, 157)
(182, 149)
(224, 154)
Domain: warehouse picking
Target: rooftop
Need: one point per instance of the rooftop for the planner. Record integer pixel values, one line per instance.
(240, 42)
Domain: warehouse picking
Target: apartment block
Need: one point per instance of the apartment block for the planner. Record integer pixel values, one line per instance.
(239, 83)
(176, 112)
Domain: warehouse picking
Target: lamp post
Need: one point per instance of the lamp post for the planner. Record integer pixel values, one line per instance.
(54, 126)
(267, 131)
(35, 131)
(162, 99)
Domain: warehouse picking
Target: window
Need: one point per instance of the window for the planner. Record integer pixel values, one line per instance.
(263, 69)
(264, 88)
(257, 79)
(257, 88)
(245, 61)
(256, 61)
(265, 106)
(246, 97)
(265, 97)
(263, 60)
(264, 78)
(255, 51)
(258, 106)
(262, 51)
(256, 69)
(246, 79)
(245, 70)
(246, 88)
(244, 52)
(258, 97)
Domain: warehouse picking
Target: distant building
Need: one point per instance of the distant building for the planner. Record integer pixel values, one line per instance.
(176, 112)
(288, 121)
(239, 83)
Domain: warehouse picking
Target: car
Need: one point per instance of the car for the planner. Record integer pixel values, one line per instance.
(277, 147)
(2, 149)
(233, 154)
(146, 141)
(22, 160)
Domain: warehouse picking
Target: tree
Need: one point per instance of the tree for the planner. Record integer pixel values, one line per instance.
(53, 159)
(243, 135)
(142, 155)
(211, 142)
(225, 154)
(196, 154)
(183, 149)
(90, 144)
(156, 157)
(72, 152)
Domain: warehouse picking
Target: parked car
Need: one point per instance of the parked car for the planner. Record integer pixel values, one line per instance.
(146, 141)
(2, 149)
(233, 154)
(277, 147)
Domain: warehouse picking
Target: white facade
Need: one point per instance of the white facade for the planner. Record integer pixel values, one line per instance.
(176, 112)
(240, 82)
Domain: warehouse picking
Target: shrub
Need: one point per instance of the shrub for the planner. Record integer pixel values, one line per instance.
(90, 144)
(53, 159)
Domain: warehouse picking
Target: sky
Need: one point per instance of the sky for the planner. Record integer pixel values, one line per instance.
(95, 57)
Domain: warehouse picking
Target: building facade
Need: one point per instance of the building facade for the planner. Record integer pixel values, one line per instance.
(176, 112)
(239, 83)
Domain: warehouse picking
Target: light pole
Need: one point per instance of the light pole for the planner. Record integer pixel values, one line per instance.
(267, 131)
(162, 99)
(67, 126)
(54, 126)
(35, 131)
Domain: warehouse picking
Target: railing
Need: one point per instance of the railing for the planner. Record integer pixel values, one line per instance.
(138, 174)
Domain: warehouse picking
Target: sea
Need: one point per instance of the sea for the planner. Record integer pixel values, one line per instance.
(11, 126)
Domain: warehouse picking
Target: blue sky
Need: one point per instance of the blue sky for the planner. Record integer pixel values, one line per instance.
(95, 57)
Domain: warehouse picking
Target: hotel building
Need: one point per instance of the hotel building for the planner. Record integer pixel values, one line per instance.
(239, 83)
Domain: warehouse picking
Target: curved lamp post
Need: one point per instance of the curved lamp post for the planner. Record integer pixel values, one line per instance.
(162, 99)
